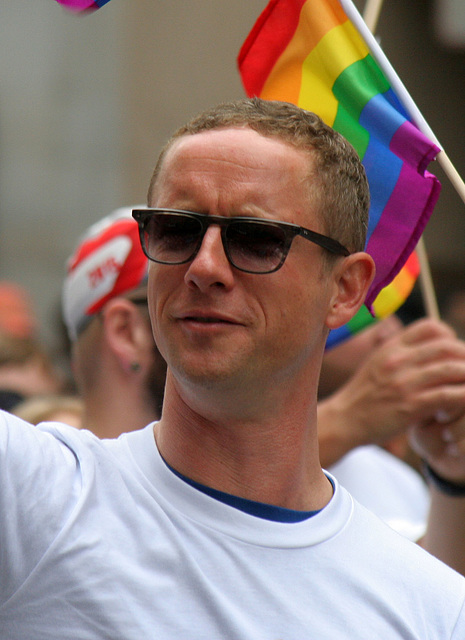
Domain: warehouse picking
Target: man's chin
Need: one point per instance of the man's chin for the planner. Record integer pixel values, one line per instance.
(208, 375)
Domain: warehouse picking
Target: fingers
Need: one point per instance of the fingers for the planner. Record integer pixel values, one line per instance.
(426, 329)
(440, 404)
(443, 447)
(416, 377)
(425, 354)
(446, 377)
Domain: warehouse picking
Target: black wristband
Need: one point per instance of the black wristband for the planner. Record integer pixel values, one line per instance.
(444, 486)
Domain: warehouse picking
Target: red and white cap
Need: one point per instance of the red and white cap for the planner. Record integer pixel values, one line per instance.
(107, 262)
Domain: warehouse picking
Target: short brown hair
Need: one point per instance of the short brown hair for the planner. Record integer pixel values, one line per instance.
(341, 188)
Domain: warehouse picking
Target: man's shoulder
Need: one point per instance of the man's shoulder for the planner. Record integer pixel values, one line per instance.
(391, 568)
(18, 435)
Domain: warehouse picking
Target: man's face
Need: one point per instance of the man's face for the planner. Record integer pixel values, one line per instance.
(213, 323)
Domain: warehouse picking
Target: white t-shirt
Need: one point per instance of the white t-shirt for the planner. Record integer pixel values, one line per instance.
(100, 540)
(387, 486)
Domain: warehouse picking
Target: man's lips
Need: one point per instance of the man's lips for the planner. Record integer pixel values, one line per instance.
(207, 318)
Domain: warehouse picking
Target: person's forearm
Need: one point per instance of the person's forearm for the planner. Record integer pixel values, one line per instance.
(445, 535)
(336, 434)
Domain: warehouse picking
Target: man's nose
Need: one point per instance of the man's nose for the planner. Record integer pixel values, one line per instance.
(210, 267)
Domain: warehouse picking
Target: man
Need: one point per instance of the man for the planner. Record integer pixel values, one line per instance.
(122, 378)
(118, 369)
(218, 521)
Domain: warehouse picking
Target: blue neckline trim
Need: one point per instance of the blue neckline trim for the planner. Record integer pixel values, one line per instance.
(258, 509)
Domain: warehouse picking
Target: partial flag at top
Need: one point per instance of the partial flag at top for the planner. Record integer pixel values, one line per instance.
(82, 6)
(308, 52)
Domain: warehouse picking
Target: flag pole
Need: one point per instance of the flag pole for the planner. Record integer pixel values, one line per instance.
(452, 173)
(371, 14)
(370, 17)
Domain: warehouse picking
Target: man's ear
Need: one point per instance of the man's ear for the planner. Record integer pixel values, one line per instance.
(125, 332)
(352, 279)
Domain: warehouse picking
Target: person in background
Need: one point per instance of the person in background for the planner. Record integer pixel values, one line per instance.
(119, 372)
(26, 367)
(17, 315)
(374, 389)
(56, 408)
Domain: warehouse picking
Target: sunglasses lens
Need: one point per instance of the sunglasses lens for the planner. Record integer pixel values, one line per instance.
(171, 238)
(256, 247)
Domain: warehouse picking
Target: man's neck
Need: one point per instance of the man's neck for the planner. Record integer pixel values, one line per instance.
(270, 458)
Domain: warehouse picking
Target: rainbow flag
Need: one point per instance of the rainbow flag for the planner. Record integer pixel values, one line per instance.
(82, 6)
(311, 53)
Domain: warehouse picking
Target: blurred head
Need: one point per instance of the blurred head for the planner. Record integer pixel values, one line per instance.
(53, 408)
(106, 279)
(25, 366)
(17, 316)
(107, 262)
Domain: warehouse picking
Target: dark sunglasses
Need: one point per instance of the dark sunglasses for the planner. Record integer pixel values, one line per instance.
(253, 245)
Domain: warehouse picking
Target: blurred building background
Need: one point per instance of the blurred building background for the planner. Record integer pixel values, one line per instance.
(87, 101)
